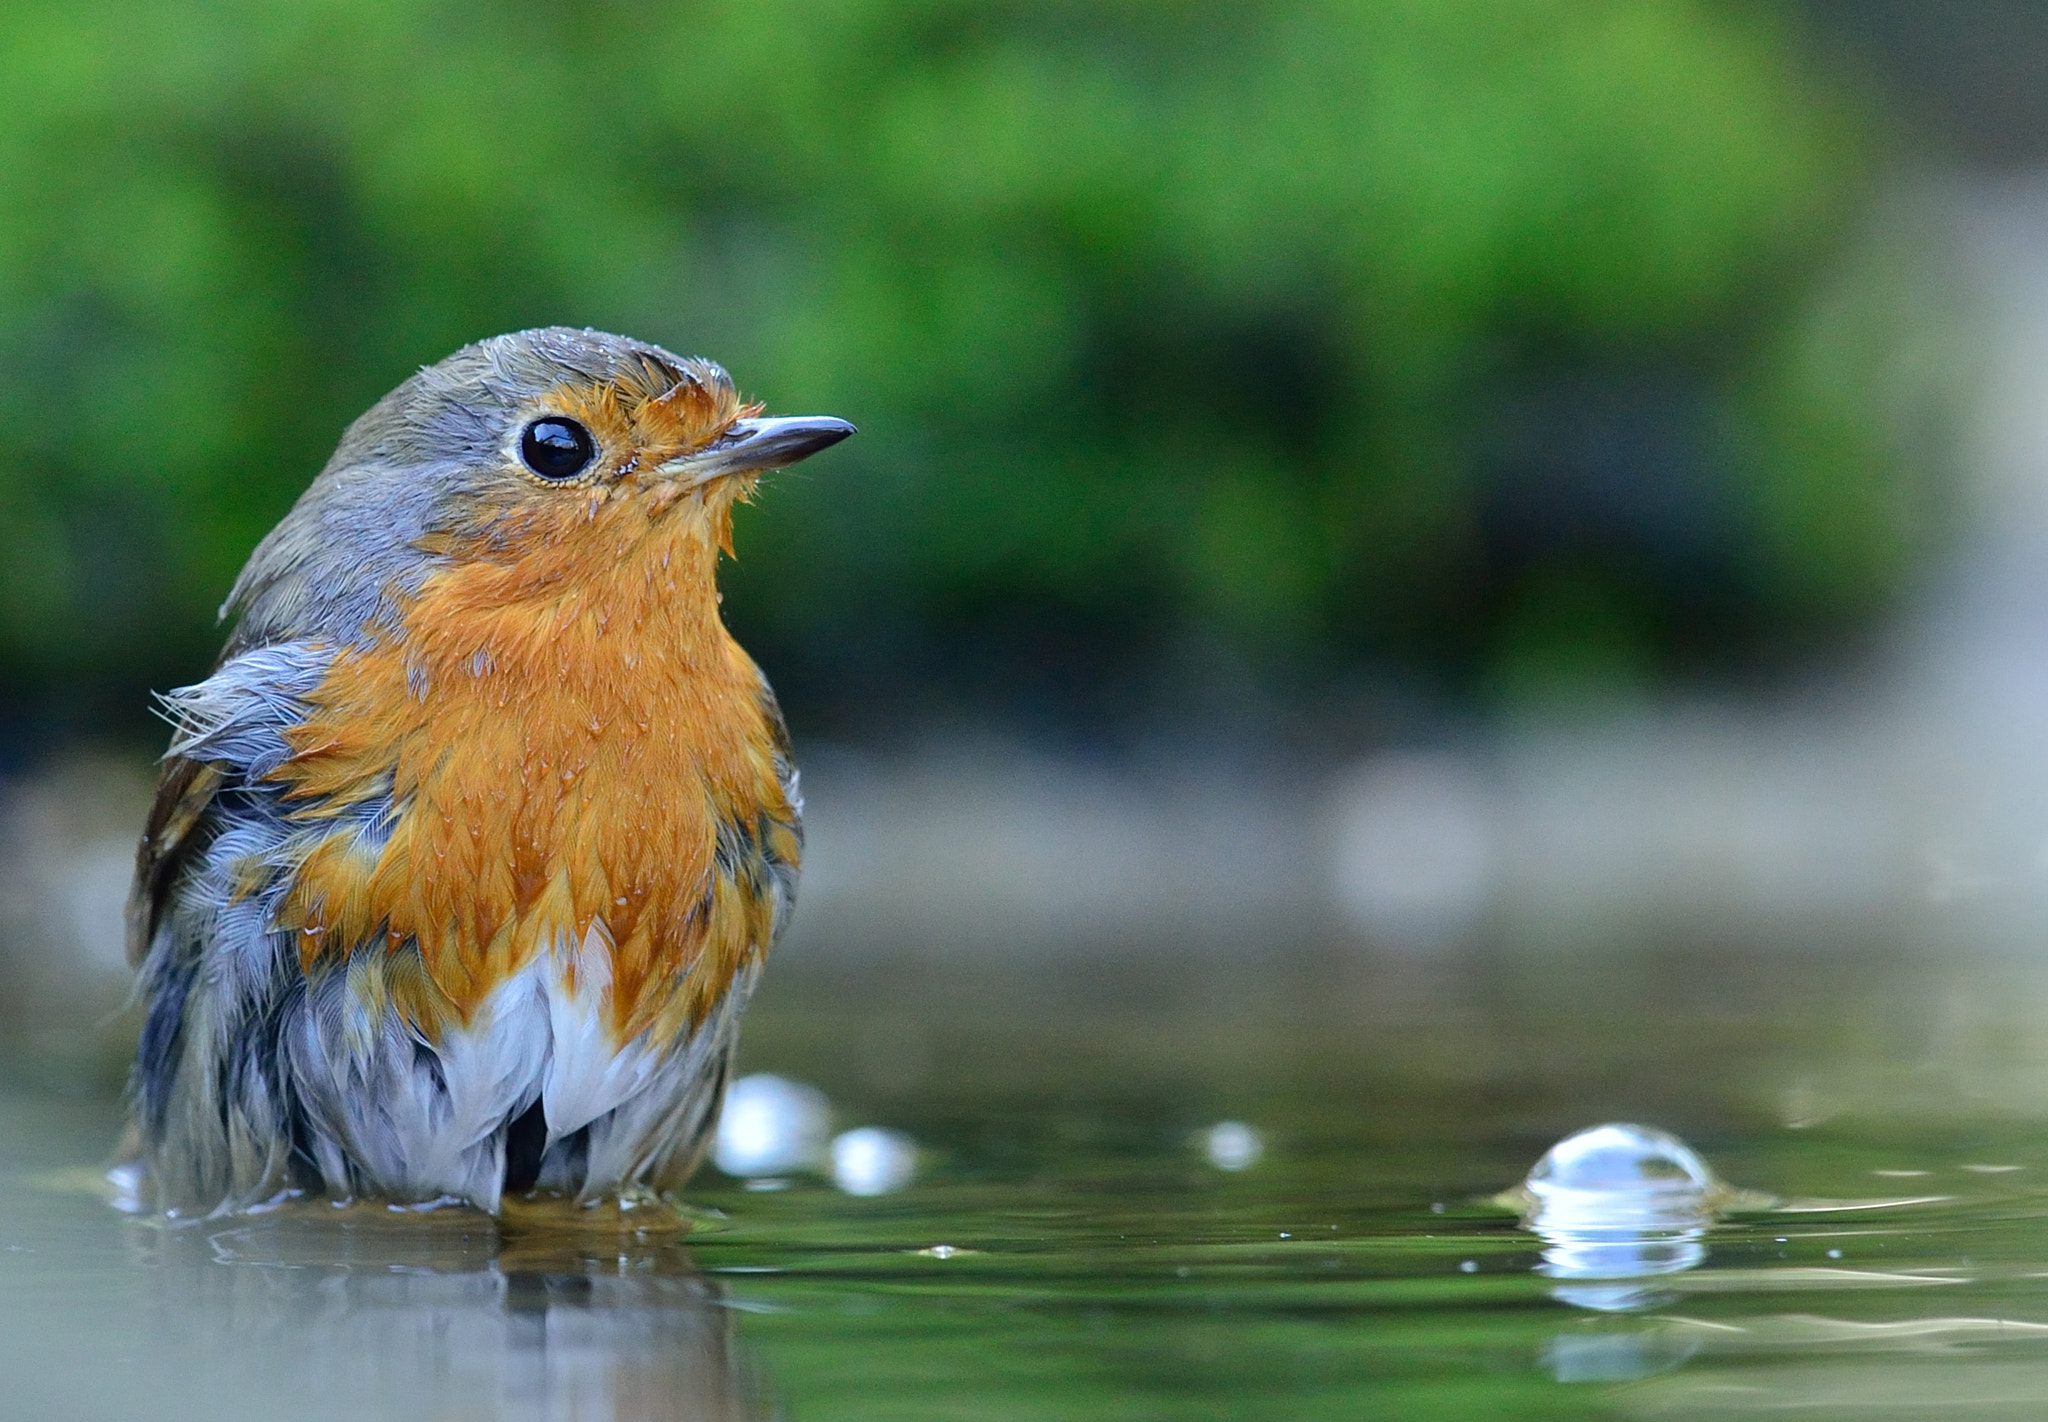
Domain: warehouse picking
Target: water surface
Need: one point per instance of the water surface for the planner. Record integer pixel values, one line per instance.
(1078, 1240)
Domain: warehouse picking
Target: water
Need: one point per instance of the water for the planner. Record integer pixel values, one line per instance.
(1162, 1188)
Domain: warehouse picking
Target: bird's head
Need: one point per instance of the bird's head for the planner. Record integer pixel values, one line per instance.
(537, 455)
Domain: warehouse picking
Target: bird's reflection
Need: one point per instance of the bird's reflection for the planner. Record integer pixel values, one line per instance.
(451, 1313)
(1619, 1209)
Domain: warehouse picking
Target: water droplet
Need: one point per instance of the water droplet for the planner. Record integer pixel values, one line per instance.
(129, 1183)
(873, 1161)
(1470, 1266)
(1232, 1145)
(770, 1126)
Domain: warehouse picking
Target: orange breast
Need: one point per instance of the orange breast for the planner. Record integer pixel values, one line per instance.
(565, 737)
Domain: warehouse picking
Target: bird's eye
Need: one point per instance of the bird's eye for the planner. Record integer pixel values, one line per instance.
(556, 448)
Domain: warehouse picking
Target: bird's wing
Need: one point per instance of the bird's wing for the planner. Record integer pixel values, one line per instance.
(229, 736)
(784, 859)
(179, 827)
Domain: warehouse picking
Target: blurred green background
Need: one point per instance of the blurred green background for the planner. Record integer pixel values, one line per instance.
(1328, 356)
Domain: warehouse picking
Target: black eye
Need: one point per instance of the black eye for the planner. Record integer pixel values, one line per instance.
(557, 449)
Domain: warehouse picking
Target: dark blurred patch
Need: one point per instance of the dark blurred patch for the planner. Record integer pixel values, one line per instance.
(1970, 75)
(1611, 534)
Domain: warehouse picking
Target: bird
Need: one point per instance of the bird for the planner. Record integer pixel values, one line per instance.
(465, 858)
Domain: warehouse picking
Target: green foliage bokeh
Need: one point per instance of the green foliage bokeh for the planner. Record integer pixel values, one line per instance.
(1155, 316)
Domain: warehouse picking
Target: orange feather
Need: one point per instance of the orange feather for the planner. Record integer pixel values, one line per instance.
(566, 729)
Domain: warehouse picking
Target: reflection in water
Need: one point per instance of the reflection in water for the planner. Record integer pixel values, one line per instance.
(448, 1314)
(1617, 1355)
(1617, 1207)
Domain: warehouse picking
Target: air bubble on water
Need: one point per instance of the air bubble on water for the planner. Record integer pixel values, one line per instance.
(1623, 1165)
(873, 1160)
(771, 1126)
(1619, 1203)
(128, 1185)
(1232, 1145)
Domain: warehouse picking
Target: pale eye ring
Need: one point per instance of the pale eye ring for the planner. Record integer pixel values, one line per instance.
(557, 448)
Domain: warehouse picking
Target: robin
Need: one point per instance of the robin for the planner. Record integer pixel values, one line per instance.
(465, 859)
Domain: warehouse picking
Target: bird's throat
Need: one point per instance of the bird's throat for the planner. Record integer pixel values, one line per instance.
(563, 740)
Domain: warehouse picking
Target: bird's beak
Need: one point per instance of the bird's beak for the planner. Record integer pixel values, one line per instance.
(750, 446)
